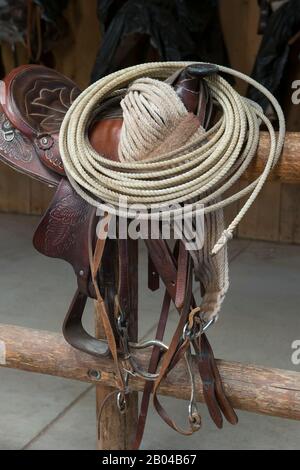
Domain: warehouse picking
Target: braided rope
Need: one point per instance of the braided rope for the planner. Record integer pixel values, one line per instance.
(201, 169)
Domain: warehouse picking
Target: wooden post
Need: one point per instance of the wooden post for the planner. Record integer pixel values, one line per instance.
(117, 430)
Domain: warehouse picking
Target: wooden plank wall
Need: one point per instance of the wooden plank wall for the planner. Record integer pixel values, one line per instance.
(276, 214)
(74, 58)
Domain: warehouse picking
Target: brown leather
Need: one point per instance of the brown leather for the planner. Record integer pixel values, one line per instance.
(108, 280)
(223, 401)
(65, 230)
(95, 263)
(208, 382)
(18, 152)
(153, 364)
(105, 136)
(155, 356)
(153, 277)
(74, 332)
(35, 99)
(167, 273)
(183, 283)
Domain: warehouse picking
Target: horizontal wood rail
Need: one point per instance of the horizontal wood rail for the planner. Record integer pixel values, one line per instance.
(249, 387)
(287, 169)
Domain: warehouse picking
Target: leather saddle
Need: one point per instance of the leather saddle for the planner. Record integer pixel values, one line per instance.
(34, 101)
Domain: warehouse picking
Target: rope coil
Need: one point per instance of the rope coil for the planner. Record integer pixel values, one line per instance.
(202, 169)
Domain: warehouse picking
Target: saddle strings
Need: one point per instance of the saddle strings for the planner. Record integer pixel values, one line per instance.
(201, 170)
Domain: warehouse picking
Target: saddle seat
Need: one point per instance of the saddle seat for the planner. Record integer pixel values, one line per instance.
(34, 101)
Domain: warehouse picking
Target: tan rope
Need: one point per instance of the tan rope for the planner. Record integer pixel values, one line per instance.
(151, 112)
(201, 169)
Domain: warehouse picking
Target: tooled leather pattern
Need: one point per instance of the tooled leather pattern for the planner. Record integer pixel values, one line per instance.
(52, 159)
(63, 225)
(48, 106)
(18, 147)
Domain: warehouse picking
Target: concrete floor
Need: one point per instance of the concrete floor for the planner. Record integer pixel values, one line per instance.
(259, 321)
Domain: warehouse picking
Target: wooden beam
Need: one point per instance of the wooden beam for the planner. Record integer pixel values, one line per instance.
(287, 169)
(249, 387)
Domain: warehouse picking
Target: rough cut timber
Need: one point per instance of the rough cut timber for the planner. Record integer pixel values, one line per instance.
(287, 169)
(249, 387)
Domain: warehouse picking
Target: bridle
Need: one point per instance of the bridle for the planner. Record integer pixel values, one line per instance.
(216, 159)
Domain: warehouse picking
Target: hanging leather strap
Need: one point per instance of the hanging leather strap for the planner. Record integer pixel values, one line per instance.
(222, 400)
(156, 352)
(183, 295)
(153, 364)
(95, 262)
(214, 395)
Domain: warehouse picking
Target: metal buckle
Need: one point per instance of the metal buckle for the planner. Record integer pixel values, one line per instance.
(122, 323)
(121, 402)
(8, 131)
(121, 396)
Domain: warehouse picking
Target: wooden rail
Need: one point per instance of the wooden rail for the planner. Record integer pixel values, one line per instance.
(249, 387)
(288, 168)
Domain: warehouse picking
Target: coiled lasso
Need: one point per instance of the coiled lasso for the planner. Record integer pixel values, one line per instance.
(202, 169)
